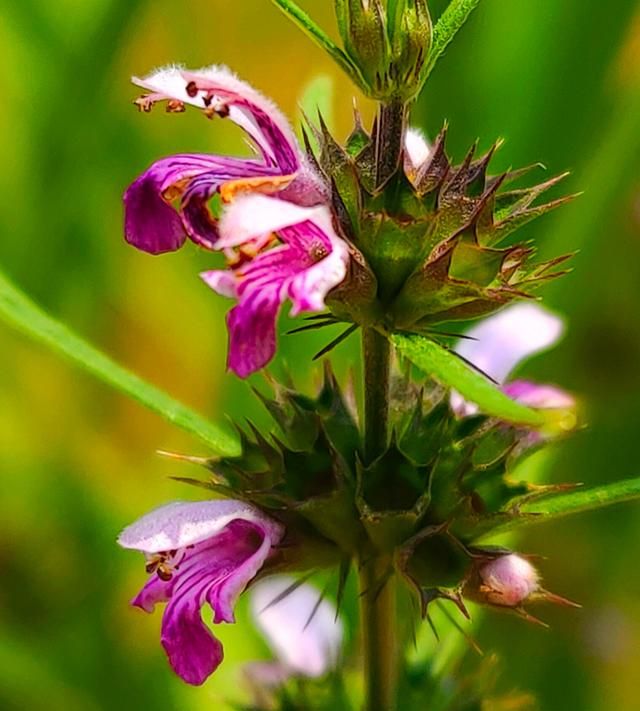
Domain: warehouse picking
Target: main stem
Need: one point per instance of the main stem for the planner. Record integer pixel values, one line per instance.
(377, 584)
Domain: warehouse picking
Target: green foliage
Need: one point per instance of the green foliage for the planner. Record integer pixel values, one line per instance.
(21, 313)
(448, 25)
(450, 370)
(555, 505)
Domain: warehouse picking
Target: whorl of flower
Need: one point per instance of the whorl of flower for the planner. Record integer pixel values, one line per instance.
(304, 634)
(307, 261)
(168, 202)
(498, 344)
(197, 553)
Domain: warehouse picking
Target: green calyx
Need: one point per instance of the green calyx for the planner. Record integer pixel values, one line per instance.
(428, 243)
(388, 43)
(440, 484)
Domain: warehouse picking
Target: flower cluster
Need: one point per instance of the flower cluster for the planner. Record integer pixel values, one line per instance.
(387, 235)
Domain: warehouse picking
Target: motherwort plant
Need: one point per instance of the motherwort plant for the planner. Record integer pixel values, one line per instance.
(401, 482)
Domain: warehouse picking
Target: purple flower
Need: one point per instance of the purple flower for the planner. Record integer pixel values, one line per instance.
(500, 343)
(302, 630)
(304, 260)
(278, 249)
(197, 553)
(168, 202)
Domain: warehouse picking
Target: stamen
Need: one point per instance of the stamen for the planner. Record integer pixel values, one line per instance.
(192, 89)
(174, 106)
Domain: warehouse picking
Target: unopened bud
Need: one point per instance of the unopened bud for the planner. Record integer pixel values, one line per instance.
(508, 580)
(388, 43)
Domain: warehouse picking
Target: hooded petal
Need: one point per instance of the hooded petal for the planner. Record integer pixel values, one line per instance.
(184, 523)
(514, 334)
(217, 90)
(305, 637)
(308, 263)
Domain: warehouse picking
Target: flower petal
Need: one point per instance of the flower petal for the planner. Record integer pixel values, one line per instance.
(416, 151)
(218, 90)
(506, 339)
(308, 645)
(194, 653)
(252, 330)
(542, 397)
(181, 524)
(311, 260)
(251, 217)
(154, 591)
(153, 225)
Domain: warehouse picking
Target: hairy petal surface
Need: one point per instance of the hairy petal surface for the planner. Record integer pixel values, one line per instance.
(199, 552)
(169, 201)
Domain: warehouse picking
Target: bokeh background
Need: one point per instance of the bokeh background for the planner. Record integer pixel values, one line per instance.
(558, 79)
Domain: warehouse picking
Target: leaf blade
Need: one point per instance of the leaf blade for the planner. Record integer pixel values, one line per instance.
(451, 371)
(558, 506)
(451, 20)
(19, 311)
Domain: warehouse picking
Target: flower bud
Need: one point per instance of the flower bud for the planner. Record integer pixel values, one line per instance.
(388, 43)
(507, 581)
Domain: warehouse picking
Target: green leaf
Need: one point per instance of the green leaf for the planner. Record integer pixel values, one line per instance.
(451, 20)
(19, 311)
(307, 25)
(448, 369)
(558, 506)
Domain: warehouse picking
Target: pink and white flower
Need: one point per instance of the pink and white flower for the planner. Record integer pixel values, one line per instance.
(302, 630)
(168, 202)
(498, 344)
(197, 553)
(278, 248)
(306, 261)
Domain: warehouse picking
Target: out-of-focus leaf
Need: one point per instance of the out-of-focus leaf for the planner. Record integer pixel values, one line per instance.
(19, 311)
(567, 504)
(450, 370)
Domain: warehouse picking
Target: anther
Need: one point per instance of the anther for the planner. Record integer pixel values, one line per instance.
(192, 89)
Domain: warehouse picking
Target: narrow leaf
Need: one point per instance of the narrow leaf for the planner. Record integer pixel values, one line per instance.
(451, 20)
(451, 371)
(567, 504)
(307, 25)
(22, 313)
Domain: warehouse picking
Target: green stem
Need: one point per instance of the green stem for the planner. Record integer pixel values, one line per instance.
(377, 583)
(378, 616)
(390, 130)
(376, 362)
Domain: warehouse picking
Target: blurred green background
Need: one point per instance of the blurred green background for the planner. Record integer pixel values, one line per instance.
(558, 79)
